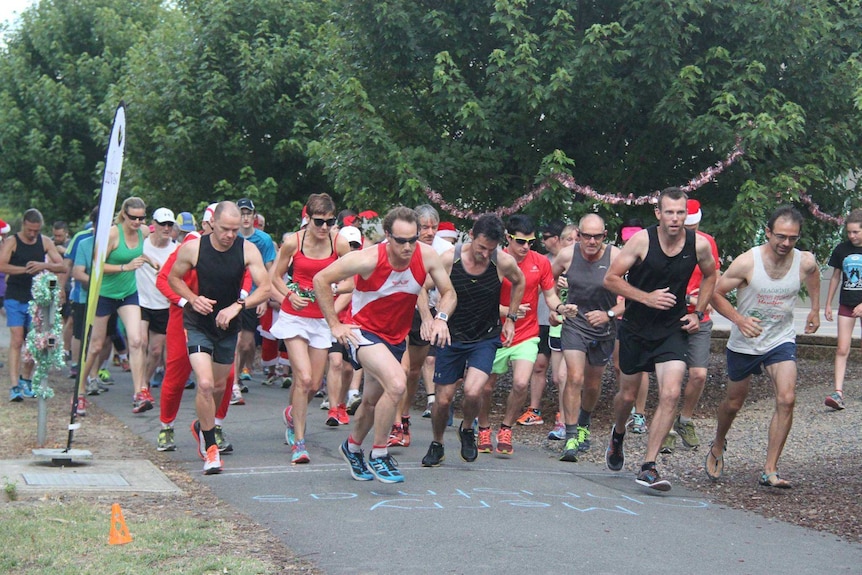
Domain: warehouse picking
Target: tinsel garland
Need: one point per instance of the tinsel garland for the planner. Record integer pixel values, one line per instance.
(45, 348)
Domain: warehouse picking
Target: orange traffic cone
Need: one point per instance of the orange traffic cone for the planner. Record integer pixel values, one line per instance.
(119, 534)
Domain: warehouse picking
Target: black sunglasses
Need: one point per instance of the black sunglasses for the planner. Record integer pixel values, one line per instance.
(136, 218)
(320, 221)
(588, 237)
(412, 240)
(521, 241)
(166, 224)
(546, 237)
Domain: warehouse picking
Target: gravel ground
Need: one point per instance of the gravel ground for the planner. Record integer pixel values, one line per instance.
(821, 457)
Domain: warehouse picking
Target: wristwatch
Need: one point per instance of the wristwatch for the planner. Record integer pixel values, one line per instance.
(512, 316)
(611, 314)
(699, 315)
(442, 315)
(241, 302)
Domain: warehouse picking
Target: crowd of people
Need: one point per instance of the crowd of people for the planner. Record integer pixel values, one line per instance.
(365, 315)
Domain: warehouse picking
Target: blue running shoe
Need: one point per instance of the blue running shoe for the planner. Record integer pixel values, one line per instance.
(15, 394)
(26, 387)
(358, 469)
(385, 470)
(289, 434)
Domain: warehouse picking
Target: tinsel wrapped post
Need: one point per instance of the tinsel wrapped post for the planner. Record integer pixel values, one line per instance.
(44, 343)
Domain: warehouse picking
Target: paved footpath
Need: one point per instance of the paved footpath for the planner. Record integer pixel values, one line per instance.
(527, 513)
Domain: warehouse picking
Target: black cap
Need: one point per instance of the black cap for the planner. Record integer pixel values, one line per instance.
(553, 228)
(245, 204)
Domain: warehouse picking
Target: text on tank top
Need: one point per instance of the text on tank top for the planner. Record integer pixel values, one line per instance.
(658, 271)
(477, 315)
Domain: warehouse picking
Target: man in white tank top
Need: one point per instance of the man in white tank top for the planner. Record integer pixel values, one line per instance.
(767, 279)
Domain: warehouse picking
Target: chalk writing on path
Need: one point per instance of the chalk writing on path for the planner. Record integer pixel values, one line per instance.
(487, 498)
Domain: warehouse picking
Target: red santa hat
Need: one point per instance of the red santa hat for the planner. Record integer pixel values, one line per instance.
(4, 227)
(694, 213)
(447, 230)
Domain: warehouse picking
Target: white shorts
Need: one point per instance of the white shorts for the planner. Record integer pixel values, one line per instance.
(313, 330)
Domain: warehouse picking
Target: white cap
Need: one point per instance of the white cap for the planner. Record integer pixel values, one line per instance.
(163, 215)
(209, 212)
(351, 234)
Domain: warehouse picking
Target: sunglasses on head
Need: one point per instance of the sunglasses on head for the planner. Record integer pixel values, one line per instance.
(320, 221)
(136, 218)
(398, 240)
(522, 241)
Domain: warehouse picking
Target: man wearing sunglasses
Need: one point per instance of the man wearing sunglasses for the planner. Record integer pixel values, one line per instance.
(521, 353)
(477, 270)
(651, 272)
(587, 340)
(388, 278)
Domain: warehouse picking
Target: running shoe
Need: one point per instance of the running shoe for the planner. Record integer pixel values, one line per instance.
(835, 401)
(236, 396)
(435, 455)
(469, 452)
(166, 440)
(615, 456)
(245, 374)
(224, 446)
(145, 391)
(637, 423)
(341, 414)
(668, 446)
(190, 383)
(243, 387)
(650, 478)
(212, 461)
(358, 469)
(531, 417)
(483, 443)
(26, 387)
(199, 439)
(427, 413)
(116, 360)
(332, 418)
(325, 404)
(289, 433)
(81, 411)
(105, 376)
(158, 377)
(570, 451)
(584, 439)
(286, 382)
(15, 394)
(353, 404)
(299, 454)
(559, 431)
(93, 386)
(271, 379)
(396, 436)
(73, 371)
(385, 469)
(504, 441)
(124, 363)
(687, 433)
(405, 432)
(141, 403)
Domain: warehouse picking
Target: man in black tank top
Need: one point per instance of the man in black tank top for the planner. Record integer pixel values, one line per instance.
(658, 262)
(210, 315)
(477, 270)
(22, 256)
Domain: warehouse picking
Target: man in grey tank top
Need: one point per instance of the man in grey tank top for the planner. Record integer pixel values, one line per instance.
(767, 279)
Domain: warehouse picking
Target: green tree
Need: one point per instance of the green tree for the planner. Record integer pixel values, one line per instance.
(56, 71)
(482, 99)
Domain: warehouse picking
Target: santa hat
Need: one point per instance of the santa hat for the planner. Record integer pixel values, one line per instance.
(4, 227)
(304, 217)
(694, 213)
(447, 230)
(209, 213)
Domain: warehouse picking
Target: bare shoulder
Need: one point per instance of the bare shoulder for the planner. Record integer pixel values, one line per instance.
(743, 264)
(808, 263)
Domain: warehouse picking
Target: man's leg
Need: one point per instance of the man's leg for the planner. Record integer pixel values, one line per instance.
(245, 349)
(669, 376)
(522, 372)
(440, 411)
(733, 401)
(16, 342)
(783, 375)
(155, 350)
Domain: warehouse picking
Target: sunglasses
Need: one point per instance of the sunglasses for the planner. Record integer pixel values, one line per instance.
(546, 237)
(522, 241)
(166, 224)
(588, 237)
(135, 218)
(320, 221)
(398, 240)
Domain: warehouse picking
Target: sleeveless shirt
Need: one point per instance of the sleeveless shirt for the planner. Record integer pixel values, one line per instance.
(477, 316)
(302, 271)
(123, 284)
(587, 291)
(771, 301)
(220, 276)
(19, 286)
(383, 304)
(657, 271)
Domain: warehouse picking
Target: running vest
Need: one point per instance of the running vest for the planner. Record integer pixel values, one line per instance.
(220, 276)
(19, 286)
(383, 304)
(477, 316)
(586, 289)
(121, 285)
(657, 271)
(771, 301)
(302, 271)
